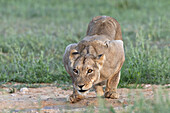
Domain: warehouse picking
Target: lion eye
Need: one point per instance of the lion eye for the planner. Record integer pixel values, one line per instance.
(75, 71)
(89, 71)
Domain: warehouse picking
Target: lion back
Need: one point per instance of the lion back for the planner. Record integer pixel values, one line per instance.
(105, 25)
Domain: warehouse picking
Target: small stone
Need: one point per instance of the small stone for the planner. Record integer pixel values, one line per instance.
(24, 89)
(13, 94)
(120, 100)
(147, 86)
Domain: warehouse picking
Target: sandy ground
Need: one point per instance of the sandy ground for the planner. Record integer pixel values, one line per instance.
(54, 99)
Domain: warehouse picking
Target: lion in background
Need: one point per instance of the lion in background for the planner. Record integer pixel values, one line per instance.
(96, 60)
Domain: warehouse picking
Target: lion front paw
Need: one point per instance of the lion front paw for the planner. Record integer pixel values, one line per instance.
(75, 98)
(111, 94)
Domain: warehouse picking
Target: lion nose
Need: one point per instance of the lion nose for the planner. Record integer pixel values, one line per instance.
(80, 86)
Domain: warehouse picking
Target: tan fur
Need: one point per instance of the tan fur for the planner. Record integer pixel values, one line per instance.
(97, 59)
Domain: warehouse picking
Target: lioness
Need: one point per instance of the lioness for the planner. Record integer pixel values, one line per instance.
(96, 60)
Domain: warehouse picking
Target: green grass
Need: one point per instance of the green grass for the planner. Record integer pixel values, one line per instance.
(159, 104)
(34, 34)
(141, 104)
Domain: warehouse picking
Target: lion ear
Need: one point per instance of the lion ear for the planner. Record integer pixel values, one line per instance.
(100, 60)
(73, 55)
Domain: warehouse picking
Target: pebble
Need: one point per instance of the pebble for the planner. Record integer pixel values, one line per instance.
(24, 90)
(13, 94)
(147, 86)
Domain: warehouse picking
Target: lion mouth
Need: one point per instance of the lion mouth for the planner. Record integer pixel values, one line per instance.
(82, 91)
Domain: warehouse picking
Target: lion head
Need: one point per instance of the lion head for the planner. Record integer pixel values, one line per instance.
(85, 70)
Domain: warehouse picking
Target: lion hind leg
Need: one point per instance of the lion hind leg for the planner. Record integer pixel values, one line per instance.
(111, 87)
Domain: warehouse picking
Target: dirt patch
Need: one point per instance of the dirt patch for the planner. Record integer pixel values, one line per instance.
(54, 99)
